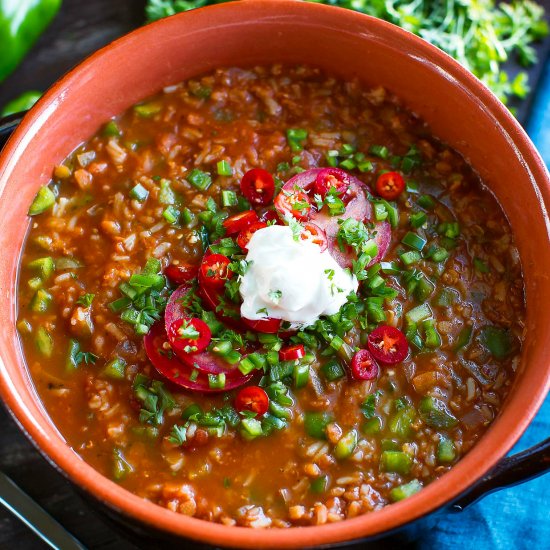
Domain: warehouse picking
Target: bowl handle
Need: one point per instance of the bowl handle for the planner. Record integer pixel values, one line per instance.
(7, 125)
(512, 470)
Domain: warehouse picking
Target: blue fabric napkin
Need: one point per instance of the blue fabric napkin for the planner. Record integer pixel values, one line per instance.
(516, 518)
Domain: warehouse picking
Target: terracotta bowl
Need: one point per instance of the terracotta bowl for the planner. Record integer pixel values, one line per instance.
(460, 110)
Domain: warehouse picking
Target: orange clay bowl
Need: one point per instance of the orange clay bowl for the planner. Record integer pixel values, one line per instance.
(460, 111)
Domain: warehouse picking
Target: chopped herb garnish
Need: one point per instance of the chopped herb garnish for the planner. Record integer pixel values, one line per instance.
(275, 296)
(86, 300)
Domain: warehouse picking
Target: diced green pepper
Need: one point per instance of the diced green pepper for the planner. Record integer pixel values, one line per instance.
(199, 179)
(432, 339)
(315, 424)
(43, 200)
(372, 426)
(414, 241)
(435, 413)
(332, 370)
(279, 411)
(251, 428)
(40, 301)
(464, 337)
(446, 450)
(405, 491)
(224, 168)
(418, 219)
(44, 342)
(396, 461)
(44, 266)
(148, 110)
(411, 257)
(139, 192)
(300, 375)
(497, 340)
(319, 484)
(345, 447)
(111, 129)
(171, 214)
(419, 313)
(401, 422)
(115, 368)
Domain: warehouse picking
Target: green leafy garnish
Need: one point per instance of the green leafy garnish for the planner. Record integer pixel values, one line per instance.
(86, 300)
(482, 36)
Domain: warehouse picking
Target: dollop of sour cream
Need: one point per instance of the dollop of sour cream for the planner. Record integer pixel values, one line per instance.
(291, 280)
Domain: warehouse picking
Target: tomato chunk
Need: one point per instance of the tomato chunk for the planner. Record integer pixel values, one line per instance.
(253, 399)
(189, 335)
(240, 221)
(214, 270)
(331, 177)
(390, 185)
(181, 273)
(363, 366)
(388, 344)
(246, 234)
(258, 187)
(294, 202)
(314, 234)
(290, 353)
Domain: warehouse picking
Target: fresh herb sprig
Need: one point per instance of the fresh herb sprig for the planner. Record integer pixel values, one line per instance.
(482, 36)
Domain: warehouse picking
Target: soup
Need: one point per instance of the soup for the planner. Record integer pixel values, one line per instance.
(267, 297)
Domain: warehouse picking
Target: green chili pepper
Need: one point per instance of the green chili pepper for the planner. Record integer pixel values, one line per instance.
(21, 103)
(21, 23)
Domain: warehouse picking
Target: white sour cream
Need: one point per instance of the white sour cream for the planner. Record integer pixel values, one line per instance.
(291, 280)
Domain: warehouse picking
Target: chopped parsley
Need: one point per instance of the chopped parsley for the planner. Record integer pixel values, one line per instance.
(86, 300)
(275, 296)
(154, 397)
(368, 407)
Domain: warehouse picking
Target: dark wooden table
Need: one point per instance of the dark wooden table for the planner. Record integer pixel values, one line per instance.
(81, 28)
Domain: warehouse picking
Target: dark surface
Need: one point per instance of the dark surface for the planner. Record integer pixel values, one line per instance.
(81, 28)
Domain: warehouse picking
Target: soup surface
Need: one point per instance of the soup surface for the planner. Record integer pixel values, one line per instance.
(386, 334)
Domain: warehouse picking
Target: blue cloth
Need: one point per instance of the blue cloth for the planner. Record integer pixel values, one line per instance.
(516, 518)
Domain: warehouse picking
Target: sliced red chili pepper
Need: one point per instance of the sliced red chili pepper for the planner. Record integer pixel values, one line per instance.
(267, 325)
(363, 366)
(314, 234)
(181, 273)
(193, 376)
(390, 185)
(214, 270)
(290, 353)
(252, 398)
(388, 344)
(240, 221)
(294, 202)
(246, 234)
(331, 177)
(271, 218)
(189, 335)
(258, 187)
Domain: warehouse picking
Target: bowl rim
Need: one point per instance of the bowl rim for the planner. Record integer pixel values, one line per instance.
(471, 468)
